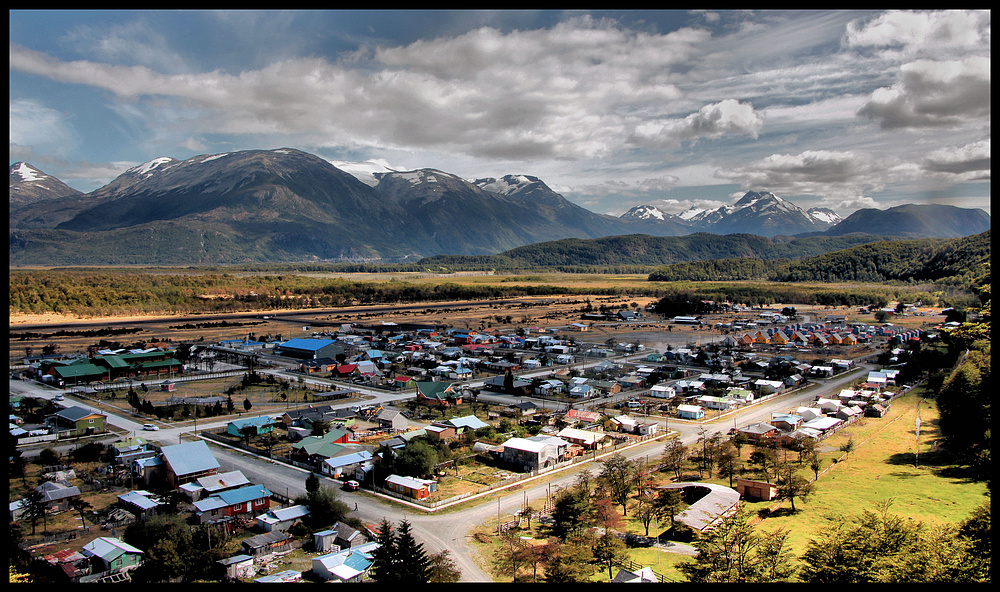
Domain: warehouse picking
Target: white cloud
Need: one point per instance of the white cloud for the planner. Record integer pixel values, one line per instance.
(933, 94)
(967, 163)
(921, 32)
(711, 121)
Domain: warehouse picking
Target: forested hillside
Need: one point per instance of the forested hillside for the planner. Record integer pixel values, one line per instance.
(600, 254)
(952, 261)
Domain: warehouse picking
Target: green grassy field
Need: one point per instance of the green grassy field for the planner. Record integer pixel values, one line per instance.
(883, 466)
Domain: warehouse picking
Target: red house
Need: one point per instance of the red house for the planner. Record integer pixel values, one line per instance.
(252, 500)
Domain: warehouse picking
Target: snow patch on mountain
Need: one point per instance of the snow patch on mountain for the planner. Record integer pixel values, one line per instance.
(507, 185)
(27, 172)
(148, 168)
(367, 171)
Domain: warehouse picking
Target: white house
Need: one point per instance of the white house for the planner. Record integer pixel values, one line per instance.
(662, 391)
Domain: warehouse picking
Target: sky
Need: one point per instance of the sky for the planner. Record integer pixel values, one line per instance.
(611, 109)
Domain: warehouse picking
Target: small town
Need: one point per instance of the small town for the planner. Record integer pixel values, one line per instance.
(423, 416)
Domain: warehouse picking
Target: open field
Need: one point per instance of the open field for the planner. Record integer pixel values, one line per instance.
(70, 333)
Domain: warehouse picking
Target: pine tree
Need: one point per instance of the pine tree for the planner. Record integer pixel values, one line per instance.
(384, 568)
(414, 565)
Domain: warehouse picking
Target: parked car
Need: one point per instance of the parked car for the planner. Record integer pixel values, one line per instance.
(150, 427)
(352, 485)
(58, 397)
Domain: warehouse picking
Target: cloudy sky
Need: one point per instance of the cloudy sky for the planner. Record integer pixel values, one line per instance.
(611, 109)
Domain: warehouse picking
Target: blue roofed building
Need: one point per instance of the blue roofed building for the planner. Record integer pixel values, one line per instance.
(252, 499)
(260, 425)
(309, 349)
(187, 462)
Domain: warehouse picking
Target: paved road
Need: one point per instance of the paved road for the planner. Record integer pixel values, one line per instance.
(450, 529)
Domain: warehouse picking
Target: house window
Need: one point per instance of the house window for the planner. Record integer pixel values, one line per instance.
(238, 507)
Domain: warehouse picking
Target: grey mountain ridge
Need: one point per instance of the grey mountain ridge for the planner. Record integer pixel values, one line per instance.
(288, 205)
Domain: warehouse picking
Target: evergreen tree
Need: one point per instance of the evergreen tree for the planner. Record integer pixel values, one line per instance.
(414, 565)
(384, 568)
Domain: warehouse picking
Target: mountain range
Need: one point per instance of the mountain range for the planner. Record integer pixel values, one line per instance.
(288, 205)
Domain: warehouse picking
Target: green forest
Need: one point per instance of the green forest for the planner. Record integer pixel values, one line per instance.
(934, 271)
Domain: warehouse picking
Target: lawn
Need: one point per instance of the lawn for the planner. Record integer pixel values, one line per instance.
(884, 466)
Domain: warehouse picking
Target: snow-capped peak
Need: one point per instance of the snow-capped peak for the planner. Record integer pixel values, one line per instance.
(506, 185)
(27, 172)
(147, 168)
(645, 213)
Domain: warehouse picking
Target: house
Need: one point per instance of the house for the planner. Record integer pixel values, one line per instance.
(662, 391)
(347, 537)
(767, 387)
(442, 394)
(234, 502)
(690, 411)
(411, 486)
(577, 415)
(809, 413)
(537, 452)
(350, 565)
(786, 422)
(720, 403)
(759, 432)
(437, 431)
(622, 423)
(586, 438)
(392, 420)
(876, 410)
(187, 462)
(849, 413)
(80, 421)
(142, 504)
(313, 449)
(109, 553)
(281, 519)
(467, 423)
(58, 496)
(267, 544)
(523, 409)
(740, 395)
(713, 504)
(348, 465)
(823, 425)
(212, 484)
(581, 391)
(255, 426)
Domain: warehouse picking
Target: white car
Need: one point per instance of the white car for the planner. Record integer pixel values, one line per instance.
(58, 397)
(150, 427)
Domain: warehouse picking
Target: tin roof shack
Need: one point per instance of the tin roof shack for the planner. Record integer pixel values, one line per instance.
(237, 567)
(269, 543)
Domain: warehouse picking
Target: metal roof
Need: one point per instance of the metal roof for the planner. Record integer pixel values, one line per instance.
(189, 457)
